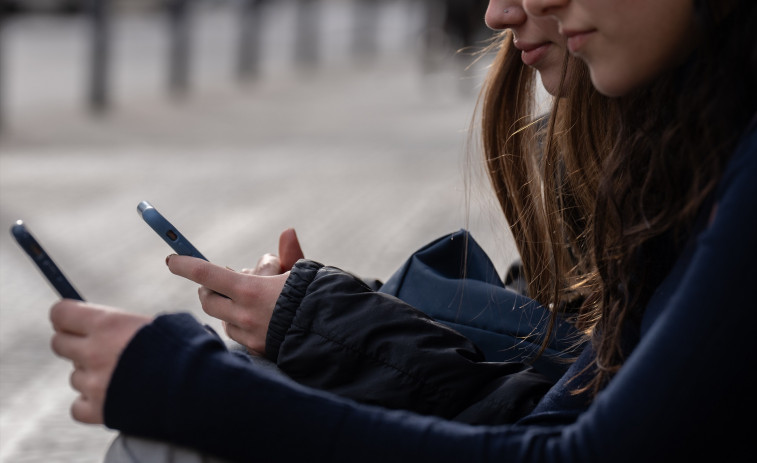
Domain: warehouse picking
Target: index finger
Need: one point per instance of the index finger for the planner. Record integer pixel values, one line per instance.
(220, 279)
(70, 316)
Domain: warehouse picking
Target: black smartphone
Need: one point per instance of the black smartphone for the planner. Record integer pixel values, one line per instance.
(167, 231)
(44, 262)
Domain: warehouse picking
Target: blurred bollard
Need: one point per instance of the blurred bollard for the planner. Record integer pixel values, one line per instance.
(434, 38)
(307, 39)
(180, 26)
(365, 28)
(100, 47)
(250, 36)
(2, 85)
(464, 22)
(452, 30)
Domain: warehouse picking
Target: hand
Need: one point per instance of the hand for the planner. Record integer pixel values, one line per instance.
(243, 302)
(92, 337)
(289, 253)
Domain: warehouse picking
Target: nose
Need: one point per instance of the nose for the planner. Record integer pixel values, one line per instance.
(543, 7)
(501, 18)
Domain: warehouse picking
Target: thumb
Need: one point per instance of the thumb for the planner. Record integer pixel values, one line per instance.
(289, 249)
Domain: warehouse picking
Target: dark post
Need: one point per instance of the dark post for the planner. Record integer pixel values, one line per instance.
(179, 47)
(2, 89)
(250, 29)
(365, 28)
(307, 40)
(100, 16)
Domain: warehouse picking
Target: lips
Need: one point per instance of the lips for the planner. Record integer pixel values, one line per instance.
(576, 39)
(532, 53)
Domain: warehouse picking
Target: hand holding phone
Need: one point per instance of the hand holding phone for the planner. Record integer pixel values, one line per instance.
(167, 231)
(44, 262)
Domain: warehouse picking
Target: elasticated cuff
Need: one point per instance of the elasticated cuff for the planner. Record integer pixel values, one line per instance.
(303, 273)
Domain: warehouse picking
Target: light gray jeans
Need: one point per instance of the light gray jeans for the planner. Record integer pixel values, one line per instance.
(129, 449)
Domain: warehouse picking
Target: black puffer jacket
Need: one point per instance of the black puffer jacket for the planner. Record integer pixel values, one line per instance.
(368, 346)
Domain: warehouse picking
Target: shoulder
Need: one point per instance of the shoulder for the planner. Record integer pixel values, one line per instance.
(742, 164)
(736, 196)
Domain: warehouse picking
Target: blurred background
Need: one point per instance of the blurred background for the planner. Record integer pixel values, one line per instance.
(349, 120)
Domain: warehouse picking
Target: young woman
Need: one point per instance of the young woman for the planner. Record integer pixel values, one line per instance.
(667, 303)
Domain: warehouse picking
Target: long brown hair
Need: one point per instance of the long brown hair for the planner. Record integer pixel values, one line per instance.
(545, 171)
(601, 204)
(674, 139)
(602, 201)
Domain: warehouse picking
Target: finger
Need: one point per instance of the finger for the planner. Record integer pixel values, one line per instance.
(78, 381)
(245, 338)
(90, 385)
(69, 346)
(290, 250)
(216, 305)
(72, 316)
(229, 311)
(87, 411)
(268, 265)
(220, 279)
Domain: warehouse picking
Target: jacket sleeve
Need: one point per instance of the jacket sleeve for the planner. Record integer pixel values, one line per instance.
(331, 332)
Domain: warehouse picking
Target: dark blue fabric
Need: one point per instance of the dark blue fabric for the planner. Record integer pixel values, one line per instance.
(453, 281)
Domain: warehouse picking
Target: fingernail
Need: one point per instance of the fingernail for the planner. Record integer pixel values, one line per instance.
(168, 258)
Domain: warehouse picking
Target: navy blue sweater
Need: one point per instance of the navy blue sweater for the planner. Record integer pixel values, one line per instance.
(684, 392)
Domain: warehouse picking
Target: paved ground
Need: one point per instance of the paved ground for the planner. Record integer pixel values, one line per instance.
(367, 162)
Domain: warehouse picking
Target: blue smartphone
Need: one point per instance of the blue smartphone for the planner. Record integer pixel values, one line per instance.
(167, 231)
(46, 265)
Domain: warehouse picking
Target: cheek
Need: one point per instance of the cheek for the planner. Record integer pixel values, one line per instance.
(618, 73)
(623, 59)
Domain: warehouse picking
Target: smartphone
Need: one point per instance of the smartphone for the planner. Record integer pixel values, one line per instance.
(44, 262)
(167, 231)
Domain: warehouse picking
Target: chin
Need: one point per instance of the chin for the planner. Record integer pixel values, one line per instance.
(610, 86)
(551, 84)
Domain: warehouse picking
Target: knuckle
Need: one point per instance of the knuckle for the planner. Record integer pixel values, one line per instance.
(55, 345)
(269, 264)
(96, 385)
(246, 320)
(57, 312)
(80, 411)
(197, 273)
